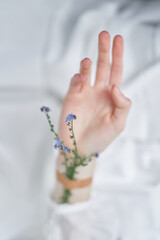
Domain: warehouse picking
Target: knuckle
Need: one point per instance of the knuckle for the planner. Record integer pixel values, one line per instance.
(103, 64)
(117, 68)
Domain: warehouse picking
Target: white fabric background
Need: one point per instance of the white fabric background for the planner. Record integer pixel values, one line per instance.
(41, 45)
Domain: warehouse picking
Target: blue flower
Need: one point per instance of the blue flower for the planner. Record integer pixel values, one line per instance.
(64, 149)
(97, 155)
(70, 117)
(46, 109)
(58, 142)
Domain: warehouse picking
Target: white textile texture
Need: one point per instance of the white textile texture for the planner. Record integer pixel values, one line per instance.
(41, 45)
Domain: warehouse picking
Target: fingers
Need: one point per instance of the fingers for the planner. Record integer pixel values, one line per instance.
(82, 80)
(103, 58)
(78, 81)
(85, 69)
(122, 106)
(117, 64)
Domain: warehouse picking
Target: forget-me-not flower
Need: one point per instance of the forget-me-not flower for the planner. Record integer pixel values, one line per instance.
(46, 109)
(58, 142)
(64, 149)
(97, 155)
(70, 117)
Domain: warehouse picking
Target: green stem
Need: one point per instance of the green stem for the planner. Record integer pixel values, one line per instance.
(65, 196)
(74, 137)
(70, 170)
(51, 125)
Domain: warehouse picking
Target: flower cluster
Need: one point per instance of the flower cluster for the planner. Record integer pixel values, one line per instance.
(59, 142)
(61, 145)
(70, 117)
(76, 161)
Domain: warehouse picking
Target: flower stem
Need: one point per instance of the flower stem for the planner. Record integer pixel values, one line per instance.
(77, 160)
(74, 137)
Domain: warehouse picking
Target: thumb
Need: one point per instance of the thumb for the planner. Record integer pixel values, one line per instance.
(76, 83)
(122, 105)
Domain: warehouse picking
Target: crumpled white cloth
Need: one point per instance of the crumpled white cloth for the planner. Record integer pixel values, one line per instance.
(87, 220)
(111, 213)
(42, 43)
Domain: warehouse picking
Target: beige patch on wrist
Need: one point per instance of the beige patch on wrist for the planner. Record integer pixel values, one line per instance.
(72, 184)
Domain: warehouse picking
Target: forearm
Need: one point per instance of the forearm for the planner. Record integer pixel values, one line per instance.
(82, 172)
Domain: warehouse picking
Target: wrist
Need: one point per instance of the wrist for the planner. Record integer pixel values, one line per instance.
(82, 176)
(82, 172)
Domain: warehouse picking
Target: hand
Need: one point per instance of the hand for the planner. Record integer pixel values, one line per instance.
(101, 110)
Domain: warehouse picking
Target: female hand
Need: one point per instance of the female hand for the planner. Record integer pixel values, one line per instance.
(101, 110)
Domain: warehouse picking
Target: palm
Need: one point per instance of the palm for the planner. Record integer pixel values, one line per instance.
(93, 106)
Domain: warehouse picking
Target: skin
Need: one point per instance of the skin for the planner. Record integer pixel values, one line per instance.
(102, 109)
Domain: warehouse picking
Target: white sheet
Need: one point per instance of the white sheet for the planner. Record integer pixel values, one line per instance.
(41, 45)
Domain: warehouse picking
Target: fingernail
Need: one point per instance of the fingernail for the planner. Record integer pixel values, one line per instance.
(117, 90)
(83, 77)
(76, 78)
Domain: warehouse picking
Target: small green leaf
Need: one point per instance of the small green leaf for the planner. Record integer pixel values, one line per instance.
(84, 164)
(74, 151)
